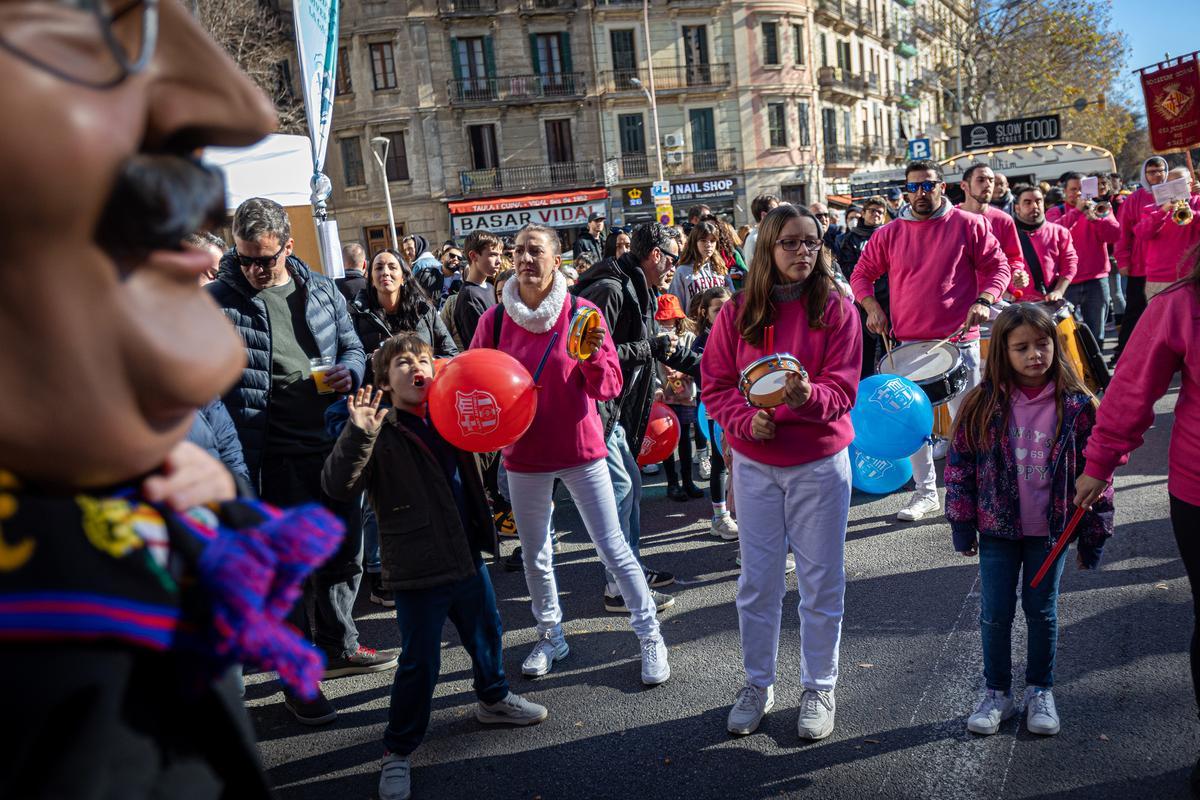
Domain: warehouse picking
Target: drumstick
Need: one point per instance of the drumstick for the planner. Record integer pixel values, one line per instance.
(541, 364)
(1059, 546)
(941, 342)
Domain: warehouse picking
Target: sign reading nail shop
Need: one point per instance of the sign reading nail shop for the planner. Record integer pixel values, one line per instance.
(510, 214)
(684, 193)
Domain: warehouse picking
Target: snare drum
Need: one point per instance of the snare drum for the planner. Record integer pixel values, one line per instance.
(937, 367)
(584, 322)
(762, 381)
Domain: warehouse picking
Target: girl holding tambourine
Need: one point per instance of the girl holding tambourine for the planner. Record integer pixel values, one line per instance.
(791, 471)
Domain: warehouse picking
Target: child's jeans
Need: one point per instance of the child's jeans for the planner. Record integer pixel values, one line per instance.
(471, 605)
(1002, 564)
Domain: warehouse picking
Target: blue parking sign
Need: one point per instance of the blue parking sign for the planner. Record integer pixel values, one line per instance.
(919, 149)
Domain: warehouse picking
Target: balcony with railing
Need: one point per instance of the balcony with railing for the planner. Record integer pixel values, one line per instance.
(522, 88)
(840, 15)
(873, 85)
(906, 42)
(467, 8)
(546, 6)
(928, 27)
(697, 77)
(873, 148)
(838, 154)
(600, 5)
(565, 175)
(677, 164)
(840, 85)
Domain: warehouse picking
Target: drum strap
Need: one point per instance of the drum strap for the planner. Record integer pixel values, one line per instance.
(498, 320)
(1034, 263)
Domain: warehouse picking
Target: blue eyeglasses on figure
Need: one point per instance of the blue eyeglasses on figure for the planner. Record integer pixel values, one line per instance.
(924, 186)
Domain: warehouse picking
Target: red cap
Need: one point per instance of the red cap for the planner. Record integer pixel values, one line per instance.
(669, 308)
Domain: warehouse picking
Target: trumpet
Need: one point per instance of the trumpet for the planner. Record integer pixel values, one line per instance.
(1182, 213)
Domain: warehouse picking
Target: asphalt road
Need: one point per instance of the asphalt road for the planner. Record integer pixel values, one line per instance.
(911, 672)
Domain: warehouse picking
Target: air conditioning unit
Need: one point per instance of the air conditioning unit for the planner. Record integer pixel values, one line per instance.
(675, 158)
(673, 140)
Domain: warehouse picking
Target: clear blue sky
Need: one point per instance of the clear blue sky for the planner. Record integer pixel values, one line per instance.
(1155, 27)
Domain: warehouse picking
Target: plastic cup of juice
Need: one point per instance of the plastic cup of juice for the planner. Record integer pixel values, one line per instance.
(320, 369)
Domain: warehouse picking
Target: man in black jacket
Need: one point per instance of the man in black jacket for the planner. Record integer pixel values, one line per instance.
(591, 241)
(354, 262)
(625, 289)
(286, 316)
(849, 250)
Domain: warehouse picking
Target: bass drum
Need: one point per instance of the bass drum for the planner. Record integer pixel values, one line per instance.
(1080, 347)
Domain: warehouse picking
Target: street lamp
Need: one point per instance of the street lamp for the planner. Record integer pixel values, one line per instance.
(654, 114)
(379, 149)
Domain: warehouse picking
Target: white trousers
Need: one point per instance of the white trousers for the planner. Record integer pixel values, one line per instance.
(805, 509)
(924, 470)
(592, 491)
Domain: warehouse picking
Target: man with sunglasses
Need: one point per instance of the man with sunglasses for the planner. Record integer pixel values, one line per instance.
(828, 220)
(288, 315)
(945, 269)
(624, 289)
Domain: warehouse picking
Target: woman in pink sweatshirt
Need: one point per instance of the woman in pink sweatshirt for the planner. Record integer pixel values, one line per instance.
(1166, 341)
(565, 442)
(1166, 245)
(791, 470)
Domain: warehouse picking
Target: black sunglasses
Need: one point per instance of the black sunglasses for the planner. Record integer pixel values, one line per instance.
(923, 186)
(262, 262)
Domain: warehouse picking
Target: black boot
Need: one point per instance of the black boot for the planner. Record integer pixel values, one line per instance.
(676, 493)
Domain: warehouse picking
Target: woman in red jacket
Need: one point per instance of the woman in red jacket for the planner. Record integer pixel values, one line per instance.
(791, 470)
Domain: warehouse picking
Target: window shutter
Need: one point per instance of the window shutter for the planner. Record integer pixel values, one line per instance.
(565, 46)
(455, 64)
(489, 57)
(534, 56)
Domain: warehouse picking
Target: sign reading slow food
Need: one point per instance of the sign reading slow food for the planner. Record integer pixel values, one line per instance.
(1009, 132)
(510, 214)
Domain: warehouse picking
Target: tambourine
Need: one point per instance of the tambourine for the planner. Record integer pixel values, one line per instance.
(584, 322)
(762, 381)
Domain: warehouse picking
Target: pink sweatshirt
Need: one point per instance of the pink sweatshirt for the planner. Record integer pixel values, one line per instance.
(1091, 238)
(936, 269)
(1166, 340)
(833, 358)
(566, 429)
(1005, 230)
(1034, 428)
(1166, 245)
(1129, 249)
(1056, 253)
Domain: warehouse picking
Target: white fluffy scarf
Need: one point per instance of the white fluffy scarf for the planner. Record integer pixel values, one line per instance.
(542, 318)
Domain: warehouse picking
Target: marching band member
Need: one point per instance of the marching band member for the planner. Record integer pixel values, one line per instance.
(792, 470)
(565, 441)
(945, 269)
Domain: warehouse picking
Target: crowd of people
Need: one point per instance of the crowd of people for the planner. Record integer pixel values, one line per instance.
(684, 310)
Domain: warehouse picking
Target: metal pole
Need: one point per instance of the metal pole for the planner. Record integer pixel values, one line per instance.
(387, 190)
(650, 85)
(958, 96)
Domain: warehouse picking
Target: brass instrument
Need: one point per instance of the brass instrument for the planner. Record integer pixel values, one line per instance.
(1182, 213)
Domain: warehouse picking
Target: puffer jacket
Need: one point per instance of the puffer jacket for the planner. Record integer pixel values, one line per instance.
(617, 286)
(371, 324)
(328, 321)
(981, 487)
(213, 429)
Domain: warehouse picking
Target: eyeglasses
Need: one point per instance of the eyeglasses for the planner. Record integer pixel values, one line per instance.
(821, 216)
(674, 257)
(923, 186)
(262, 262)
(792, 245)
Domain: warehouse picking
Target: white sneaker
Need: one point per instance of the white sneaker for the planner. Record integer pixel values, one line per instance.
(789, 564)
(550, 648)
(1041, 716)
(512, 710)
(395, 777)
(650, 469)
(724, 526)
(704, 463)
(751, 706)
(921, 505)
(655, 669)
(940, 446)
(994, 708)
(817, 709)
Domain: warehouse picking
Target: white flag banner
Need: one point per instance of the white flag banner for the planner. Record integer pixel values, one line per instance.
(316, 46)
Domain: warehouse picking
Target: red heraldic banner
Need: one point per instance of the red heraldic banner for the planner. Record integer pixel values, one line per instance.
(1172, 91)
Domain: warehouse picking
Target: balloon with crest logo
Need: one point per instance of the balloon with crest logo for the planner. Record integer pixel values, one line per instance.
(482, 400)
(878, 475)
(662, 435)
(892, 417)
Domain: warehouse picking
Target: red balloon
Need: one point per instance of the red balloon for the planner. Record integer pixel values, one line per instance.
(438, 363)
(482, 400)
(662, 435)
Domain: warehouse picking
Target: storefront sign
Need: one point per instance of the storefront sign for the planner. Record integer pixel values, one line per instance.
(1172, 92)
(510, 214)
(716, 190)
(1009, 132)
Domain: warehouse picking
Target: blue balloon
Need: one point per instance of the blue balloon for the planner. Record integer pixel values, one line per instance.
(892, 417)
(703, 421)
(878, 475)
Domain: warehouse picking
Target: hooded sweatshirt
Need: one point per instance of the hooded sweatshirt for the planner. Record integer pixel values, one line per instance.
(1167, 341)
(424, 259)
(1165, 245)
(936, 269)
(566, 430)
(1034, 429)
(1091, 238)
(1128, 250)
(1056, 254)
